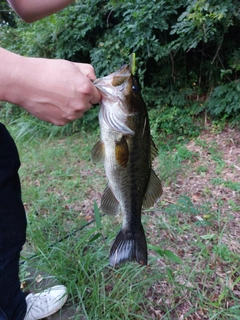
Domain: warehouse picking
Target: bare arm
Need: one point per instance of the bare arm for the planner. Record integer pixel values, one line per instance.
(56, 91)
(32, 10)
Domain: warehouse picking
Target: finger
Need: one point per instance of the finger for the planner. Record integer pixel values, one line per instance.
(91, 93)
(96, 96)
(86, 69)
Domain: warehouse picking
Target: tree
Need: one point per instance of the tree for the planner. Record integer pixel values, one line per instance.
(187, 51)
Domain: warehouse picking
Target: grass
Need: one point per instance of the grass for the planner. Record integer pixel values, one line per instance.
(193, 271)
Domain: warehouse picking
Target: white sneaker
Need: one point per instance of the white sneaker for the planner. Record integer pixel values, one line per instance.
(45, 303)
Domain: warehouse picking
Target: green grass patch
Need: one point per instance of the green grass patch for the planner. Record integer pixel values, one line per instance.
(193, 268)
(233, 185)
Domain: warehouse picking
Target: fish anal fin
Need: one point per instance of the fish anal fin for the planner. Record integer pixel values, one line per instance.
(129, 247)
(98, 152)
(109, 203)
(153, 192)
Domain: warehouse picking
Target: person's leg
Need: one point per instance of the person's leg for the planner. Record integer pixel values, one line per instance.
(14, 305)
(12, 230)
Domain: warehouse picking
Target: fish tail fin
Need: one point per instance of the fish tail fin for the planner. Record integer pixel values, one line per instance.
(129, 246)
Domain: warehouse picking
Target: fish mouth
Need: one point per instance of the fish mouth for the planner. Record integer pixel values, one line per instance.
(114, 83)
(105, 88)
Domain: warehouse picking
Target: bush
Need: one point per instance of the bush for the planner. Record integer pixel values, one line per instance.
(225, 100)
(183, 48)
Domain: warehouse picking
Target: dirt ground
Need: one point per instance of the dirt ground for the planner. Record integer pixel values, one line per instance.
(214, 177)
(211, 175)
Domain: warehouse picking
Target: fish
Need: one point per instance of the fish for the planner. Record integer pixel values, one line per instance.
(127, 150)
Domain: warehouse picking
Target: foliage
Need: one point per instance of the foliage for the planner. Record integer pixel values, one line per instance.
(225, 100)
(173, 120)
(6, 16)
(184, 50)
(27, 127)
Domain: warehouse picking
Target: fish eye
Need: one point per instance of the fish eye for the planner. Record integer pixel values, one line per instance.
(135, 88)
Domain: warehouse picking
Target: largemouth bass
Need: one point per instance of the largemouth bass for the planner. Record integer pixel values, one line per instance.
(127, 150)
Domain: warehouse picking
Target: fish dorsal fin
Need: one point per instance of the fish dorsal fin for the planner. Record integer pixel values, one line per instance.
(154, 150)
(115, 118)
(98, 152)
(109, 203)
(153, 192)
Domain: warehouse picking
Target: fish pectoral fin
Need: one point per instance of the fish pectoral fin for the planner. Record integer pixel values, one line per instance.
(109, 203)
(98, 152)
(129, 246)
(153, 192)
(121, 152)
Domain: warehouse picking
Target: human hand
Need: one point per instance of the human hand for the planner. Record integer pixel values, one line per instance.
(56, 91)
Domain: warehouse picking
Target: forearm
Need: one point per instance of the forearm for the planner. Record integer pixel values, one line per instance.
(32, 10)
(21, 83)
(56, 91)
(8, 64)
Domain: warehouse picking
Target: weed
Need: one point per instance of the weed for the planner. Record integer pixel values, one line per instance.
(183, 153)
(233, 185)
(193, 269)
(201, 143)
(202, 169)
(170, 166)
(234, 206)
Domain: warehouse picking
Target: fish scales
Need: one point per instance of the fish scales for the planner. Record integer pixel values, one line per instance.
(127, 150)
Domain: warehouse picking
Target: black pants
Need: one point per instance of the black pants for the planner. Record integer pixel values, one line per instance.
(12, 230)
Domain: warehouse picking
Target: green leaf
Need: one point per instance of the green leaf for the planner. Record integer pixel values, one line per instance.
(172, 256)
(170, 275)
(208, 236)
(97, 216)
(95, 237)
(167, 253)
(156, 249)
